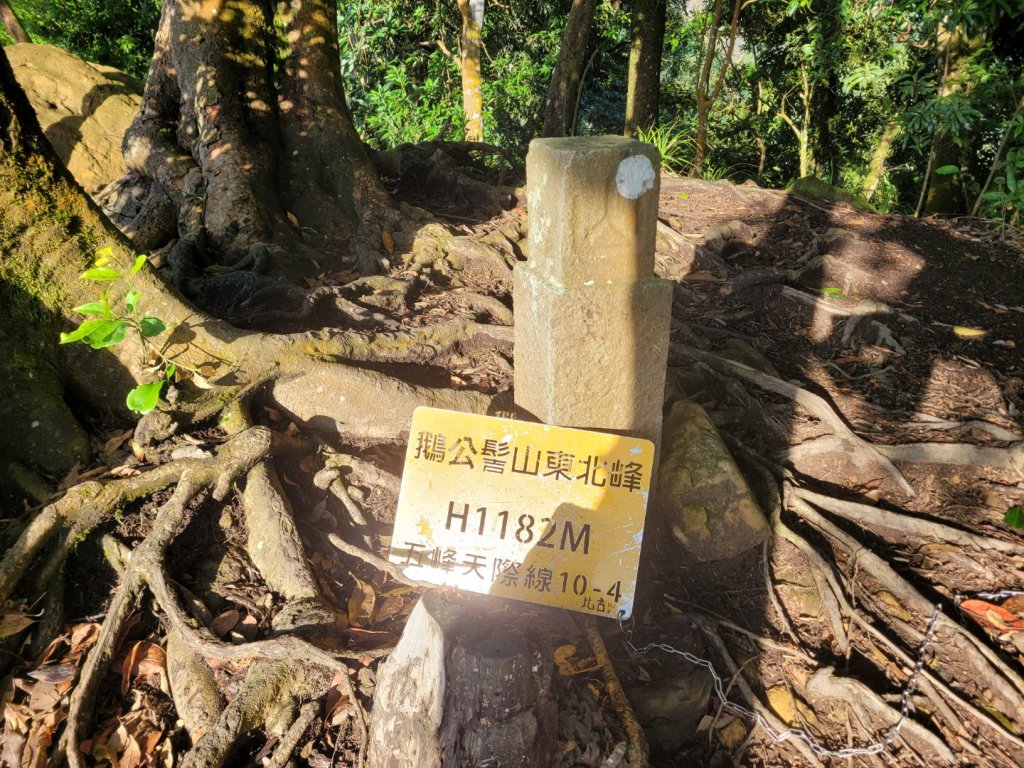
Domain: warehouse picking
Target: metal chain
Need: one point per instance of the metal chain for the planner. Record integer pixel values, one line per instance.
(799, 733)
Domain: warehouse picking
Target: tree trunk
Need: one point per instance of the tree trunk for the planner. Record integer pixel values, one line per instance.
(471, 45)
(245, 129)
(644, 84)
(876, 170)
(566, 79)
(12, 24)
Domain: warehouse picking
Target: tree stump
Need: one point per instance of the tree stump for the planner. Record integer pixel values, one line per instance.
(466, 686)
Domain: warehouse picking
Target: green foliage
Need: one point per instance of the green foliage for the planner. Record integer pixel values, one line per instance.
(1014, 517)
(840, 71)
(1004, 200)
(118, 33)
(402, 76)
(109, 323)
(675, 146)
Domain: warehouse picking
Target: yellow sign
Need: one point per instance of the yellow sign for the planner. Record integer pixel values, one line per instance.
(538, 513)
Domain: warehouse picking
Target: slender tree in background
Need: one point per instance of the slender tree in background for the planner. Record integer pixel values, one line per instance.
(801, 130)
(566, 79)
(876, 169)
(644, 85)
(471, 46)
(709, 84)
(1012, 125)
(12, 24)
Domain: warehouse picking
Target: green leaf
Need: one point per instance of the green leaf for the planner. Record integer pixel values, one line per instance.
(94, 308)
(102, 274)
(947, 170)
(1014, 516)
(169, 371)
(131, 299)
(139, 261)
(81, 331)
(144, 397)
(833, 293)
(104, 256)
(107, 334)
(151, 326)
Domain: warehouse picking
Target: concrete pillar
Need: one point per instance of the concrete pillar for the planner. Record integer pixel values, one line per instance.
(591, 319)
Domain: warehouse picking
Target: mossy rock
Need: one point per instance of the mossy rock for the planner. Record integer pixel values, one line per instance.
(816, 189)
(703, 499)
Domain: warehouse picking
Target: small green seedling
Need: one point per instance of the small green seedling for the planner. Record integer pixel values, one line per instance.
(108, 324)
(1014, 516)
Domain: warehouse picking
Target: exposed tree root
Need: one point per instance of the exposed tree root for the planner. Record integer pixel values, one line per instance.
(751, 698)
(232, 462)
(915, 529)
(83, 507)
(637, 748)
(814, 404)
(290, 741)
(876, 715)
(958, 454)
(988, 678)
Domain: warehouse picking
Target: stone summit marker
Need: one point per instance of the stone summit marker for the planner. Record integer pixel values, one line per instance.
(591, 318)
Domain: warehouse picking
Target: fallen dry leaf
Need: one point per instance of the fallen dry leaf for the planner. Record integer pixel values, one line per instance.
(13, 623)
(143, 661)
(965, 332)
(116, 442)
(83, 637)
(57, 673)
(568, 665)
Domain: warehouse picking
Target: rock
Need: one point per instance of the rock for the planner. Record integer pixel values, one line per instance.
(716, 237)
(671, 706)
(741, 352)
(815, 188)
(702, 496)
(84, 109)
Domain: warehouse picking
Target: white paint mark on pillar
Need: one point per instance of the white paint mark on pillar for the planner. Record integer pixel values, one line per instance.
(634, 176)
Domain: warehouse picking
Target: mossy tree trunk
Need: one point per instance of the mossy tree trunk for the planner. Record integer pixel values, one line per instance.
(944, 194)
(876, 170)
(648, 33)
